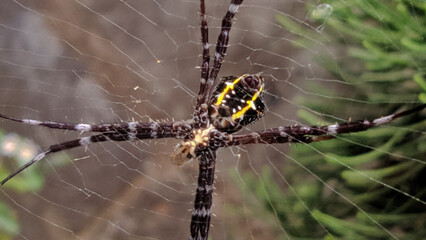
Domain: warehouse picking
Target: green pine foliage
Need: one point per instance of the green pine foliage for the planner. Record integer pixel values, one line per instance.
(382, 59)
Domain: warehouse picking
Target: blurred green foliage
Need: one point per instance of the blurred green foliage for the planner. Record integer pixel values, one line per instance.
(362, 179)
(15, 151)
(14, 148)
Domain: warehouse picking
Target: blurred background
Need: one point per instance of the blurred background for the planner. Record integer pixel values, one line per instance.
(111, 61)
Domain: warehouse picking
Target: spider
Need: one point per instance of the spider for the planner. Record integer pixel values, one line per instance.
(219, 113)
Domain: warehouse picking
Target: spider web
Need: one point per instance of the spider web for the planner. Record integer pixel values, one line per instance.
(90, 62)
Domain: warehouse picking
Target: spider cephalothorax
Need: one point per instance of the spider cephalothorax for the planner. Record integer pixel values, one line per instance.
(237, 102)
(186, 150)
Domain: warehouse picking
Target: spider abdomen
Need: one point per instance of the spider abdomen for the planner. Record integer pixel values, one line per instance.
(236, 102)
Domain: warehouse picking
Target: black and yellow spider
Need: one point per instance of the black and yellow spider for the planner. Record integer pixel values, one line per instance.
(220, 112)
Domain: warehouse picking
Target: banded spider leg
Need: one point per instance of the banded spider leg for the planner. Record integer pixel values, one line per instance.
(125, 131)
(200, 221)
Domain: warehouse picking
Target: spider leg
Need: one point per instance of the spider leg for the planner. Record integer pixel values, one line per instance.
(308, 134)
(68, 145)
(148, 129)
(200, 221)
(201, 113)
(134, 133)
(222, 43)
(202, 95)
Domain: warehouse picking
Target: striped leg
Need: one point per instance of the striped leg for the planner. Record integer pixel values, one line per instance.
(68, 145)
(149, 130)
(309, 134)
(201, 111)
(222, 43)
(200, 221)
(202, 95)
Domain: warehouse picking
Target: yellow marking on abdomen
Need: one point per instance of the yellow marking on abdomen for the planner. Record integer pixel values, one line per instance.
(225, 91)
(250, 104)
